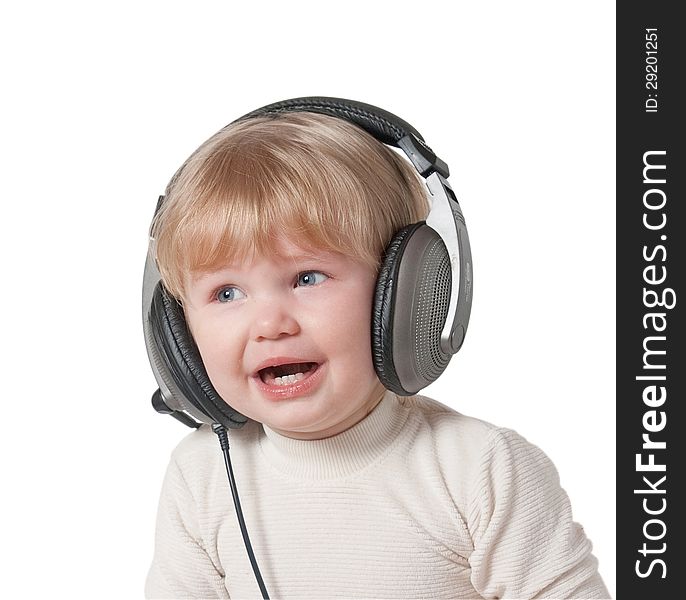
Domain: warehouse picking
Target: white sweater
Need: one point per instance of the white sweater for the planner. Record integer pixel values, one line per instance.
(415, 501)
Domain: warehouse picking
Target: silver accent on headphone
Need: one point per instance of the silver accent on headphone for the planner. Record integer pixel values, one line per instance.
(445, 217)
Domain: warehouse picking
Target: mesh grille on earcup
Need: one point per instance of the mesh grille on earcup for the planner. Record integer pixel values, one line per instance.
(410, 308)
(420, 307)
(433, 297)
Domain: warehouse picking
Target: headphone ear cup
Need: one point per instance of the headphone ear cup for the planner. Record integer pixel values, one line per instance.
(183, 363)
(410, 307)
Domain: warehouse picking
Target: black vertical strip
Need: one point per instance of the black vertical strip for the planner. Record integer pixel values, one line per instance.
(651, 358)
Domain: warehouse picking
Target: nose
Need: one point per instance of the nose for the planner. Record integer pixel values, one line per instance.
(273, 320)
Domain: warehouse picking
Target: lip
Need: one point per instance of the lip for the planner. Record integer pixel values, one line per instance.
(295, 390)
(280, 360)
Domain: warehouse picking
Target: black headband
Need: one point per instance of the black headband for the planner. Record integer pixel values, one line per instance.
(383, 125)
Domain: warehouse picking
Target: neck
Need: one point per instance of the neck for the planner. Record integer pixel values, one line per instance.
(341, 454)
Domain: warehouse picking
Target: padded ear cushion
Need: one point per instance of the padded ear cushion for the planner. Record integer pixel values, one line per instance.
(410, 308)
(182, 358)
(383, 310)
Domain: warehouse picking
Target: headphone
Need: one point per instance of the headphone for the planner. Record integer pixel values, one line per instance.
(422, 300)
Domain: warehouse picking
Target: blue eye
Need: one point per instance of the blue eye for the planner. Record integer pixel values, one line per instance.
(309, 278)
(228, 294)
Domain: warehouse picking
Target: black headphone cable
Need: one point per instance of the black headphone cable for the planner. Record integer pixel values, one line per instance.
(224, 443)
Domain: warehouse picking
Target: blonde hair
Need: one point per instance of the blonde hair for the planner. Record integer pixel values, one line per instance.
(321, 180)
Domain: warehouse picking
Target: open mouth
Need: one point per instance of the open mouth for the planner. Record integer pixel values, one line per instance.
(287, 374)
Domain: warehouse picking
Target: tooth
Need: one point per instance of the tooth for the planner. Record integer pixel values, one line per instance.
(286, 379)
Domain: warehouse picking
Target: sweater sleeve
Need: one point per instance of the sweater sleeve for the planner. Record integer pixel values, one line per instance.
(181, 567)
(525, 542)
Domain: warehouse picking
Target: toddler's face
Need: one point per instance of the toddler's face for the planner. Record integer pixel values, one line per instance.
(294, 306)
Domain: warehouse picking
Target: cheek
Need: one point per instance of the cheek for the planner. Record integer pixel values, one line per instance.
(216, 349)
(349, 320)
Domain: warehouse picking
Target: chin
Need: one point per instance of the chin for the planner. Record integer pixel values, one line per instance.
(299, 419)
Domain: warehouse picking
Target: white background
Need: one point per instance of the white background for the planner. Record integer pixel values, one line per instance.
(103, 101)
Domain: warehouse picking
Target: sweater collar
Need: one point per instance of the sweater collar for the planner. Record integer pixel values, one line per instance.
(341, 454)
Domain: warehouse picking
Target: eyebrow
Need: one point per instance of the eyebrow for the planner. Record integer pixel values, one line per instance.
(307, 256)
(324, 257)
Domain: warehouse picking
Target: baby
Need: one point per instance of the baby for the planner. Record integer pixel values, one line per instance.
(269, 243)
